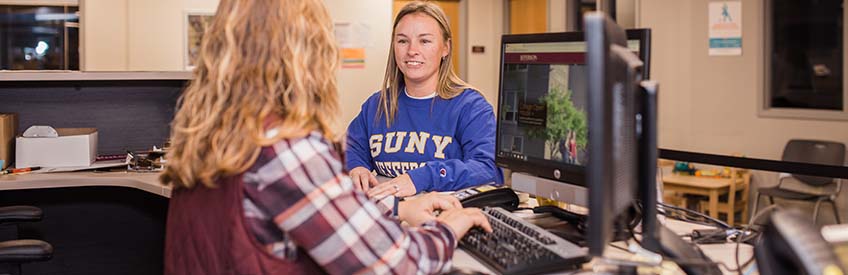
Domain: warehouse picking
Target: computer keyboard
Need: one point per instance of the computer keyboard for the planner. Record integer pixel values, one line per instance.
(519, 247)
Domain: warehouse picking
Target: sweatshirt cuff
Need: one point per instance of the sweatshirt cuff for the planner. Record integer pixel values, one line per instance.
(422, 179)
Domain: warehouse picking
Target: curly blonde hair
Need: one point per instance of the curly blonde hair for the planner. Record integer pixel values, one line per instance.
(263, 64)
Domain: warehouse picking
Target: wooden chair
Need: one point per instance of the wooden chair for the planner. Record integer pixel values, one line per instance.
(736, 201)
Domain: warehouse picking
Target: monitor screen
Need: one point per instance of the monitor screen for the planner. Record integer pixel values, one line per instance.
(542, 104)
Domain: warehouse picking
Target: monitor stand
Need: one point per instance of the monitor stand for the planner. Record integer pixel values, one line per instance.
(550, 189)
(676, 249)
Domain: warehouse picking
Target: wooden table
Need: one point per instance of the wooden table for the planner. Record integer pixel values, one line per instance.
(712, 188)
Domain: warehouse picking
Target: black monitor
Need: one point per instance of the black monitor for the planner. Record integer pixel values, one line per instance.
(615, 117)
(543, 124)
(623, 144)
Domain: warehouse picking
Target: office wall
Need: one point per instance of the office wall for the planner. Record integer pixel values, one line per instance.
(356, 85)
(709, 104)
(104, 35)
(156, 31)
(136, 35)
(147, 35)
(485, 26)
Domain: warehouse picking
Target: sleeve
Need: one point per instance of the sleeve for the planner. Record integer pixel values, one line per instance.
(358, 151)
(344, 232)
(388, 205)
(476, 135)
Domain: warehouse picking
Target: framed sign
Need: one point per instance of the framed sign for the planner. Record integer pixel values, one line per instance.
(196, 23)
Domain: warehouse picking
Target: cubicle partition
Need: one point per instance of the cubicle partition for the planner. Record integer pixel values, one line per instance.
(129, 111)
(98, 223)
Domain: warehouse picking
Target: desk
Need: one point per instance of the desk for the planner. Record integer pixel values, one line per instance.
(712, 188)
(724, 253)
(97, 222)
(148, 182)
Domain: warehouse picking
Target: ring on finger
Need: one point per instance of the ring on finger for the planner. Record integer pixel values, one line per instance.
(397, 189)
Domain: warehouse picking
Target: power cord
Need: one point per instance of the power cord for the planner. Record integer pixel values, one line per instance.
(664, 209)
(739, 238)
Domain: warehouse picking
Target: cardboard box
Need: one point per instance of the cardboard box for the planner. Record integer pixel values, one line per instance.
(73, 147)
(8, 127)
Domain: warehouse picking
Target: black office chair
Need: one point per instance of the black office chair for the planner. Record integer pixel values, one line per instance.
(13, 253)
(808, 151)
(791, 243)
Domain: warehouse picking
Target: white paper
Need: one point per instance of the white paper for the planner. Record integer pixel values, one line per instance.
(95, 165)
(352, 35)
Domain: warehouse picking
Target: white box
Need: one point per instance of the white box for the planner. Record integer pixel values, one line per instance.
(73, 147)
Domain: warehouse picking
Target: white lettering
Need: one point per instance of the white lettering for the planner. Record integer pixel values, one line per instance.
(376, 142)
(401, 136)
(417, 142)
(441, 144)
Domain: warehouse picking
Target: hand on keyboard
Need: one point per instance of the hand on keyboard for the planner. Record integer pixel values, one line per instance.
(463, 219)
(420, 209)
(519, 247)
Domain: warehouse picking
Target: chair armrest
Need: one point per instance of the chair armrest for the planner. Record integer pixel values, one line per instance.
(21, 251)
(19, 213)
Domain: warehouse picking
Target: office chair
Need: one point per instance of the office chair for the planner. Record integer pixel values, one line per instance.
(13, 253)
(808, 151)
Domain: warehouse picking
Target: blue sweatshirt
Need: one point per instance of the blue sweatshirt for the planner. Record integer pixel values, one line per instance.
(443, 144)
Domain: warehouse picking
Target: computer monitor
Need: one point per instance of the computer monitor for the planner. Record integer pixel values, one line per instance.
(623, 145)
(543, 124)
(622, 140)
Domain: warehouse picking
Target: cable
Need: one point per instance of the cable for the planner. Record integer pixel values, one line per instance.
(619, 247)
(747, 227)
(695, 213)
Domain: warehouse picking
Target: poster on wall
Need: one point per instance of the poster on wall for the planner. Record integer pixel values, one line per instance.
(352, 39)
(725, 28)
(196, 23)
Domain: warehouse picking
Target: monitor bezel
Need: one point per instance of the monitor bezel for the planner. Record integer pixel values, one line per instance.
(568, 173)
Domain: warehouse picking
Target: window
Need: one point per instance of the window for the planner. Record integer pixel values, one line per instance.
(804, 59)
(506, 143)
(518, 144)
(511, 106)
(39, 37)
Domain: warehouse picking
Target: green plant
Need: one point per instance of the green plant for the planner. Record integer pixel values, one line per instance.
(562, 118)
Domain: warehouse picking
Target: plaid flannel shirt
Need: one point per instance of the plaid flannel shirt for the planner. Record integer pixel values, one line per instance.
(298, 199)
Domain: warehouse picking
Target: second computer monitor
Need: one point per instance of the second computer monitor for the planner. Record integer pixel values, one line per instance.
(543, 123)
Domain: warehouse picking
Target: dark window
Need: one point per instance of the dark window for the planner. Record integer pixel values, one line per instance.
(805, 63)
(39, 37)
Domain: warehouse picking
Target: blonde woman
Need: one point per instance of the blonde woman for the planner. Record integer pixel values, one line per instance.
(258, 185)
(426, 128)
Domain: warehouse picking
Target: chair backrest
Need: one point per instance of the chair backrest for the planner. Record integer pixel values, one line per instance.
(816, 152)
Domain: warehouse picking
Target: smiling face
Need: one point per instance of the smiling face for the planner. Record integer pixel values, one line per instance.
(419, 47)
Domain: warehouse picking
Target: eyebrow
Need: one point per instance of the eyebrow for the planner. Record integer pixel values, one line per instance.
(420, 35)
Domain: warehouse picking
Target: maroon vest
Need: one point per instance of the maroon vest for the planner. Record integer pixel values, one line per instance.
(206, 235)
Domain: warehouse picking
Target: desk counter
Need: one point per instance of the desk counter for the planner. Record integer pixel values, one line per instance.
(86, 76)
(143, 181)
(149, 182)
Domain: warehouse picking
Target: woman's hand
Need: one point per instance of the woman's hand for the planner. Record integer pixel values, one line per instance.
(362, 178)
(419, 209)
(460, 220)
(399, 187)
